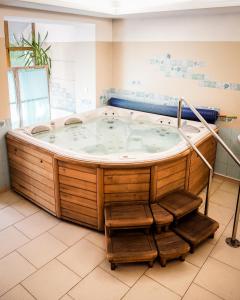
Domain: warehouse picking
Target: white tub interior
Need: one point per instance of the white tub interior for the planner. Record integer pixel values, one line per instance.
(115, 134)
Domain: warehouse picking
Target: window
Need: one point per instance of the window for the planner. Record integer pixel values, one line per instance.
(29, 96)
(71, 86)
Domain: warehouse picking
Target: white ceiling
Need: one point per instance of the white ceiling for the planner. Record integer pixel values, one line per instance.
(121, 8)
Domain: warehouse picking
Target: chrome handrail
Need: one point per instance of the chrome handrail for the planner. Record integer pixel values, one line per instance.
(232, 241)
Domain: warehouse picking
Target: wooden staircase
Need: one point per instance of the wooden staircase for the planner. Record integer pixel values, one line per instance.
(170, 229)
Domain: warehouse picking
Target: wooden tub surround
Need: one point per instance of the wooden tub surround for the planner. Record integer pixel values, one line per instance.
(77, 190)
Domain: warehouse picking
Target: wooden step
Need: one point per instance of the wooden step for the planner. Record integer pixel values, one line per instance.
(128, 216)
(170, 246)
(196, 228)
(162, 218)
(180, 203)
(130, 246)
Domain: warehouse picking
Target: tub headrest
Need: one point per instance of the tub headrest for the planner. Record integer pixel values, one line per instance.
(39, 129)
(72, 120)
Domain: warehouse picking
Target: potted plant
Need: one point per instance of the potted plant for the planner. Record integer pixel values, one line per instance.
(38, 55)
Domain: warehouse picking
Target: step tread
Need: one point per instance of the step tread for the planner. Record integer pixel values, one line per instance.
(180, 203)
(130, 246)
(196, 227)
(123, 216)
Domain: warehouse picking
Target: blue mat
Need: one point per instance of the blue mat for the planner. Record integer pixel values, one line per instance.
(210, 115)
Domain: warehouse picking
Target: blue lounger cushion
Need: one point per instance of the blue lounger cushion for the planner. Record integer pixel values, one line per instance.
(210, 115)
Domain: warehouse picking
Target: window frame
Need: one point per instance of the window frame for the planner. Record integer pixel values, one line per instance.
(15, 48)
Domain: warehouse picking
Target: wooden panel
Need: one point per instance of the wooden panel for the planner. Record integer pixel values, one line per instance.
(28, 183)
(170, 176)
(115, 197)
(100, 199)
(38, 161)
(77, 174)
(77, 167)
(179, 184)
(79, 218)
(31, 150)
(198, 175)
(29, 180)
(89, 186)
(125, 188)
(79, 209)
(126, 185)
(171, 168)
(31, 172)
(77, 192)
(119, 179)
(126, 171)
(28, 165)
(169, 179)
(47, 182)
(75, 199)
(32, 196)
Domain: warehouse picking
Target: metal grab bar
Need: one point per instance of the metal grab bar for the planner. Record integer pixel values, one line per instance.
(231, 241)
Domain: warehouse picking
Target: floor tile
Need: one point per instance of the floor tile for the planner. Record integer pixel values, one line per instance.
(201, 253)
(214, 186)
(9, 216)
(37, 224)
(218, 179)
(146, 288)
(11, 239)
(8, 198)
(14, 268)
(226, 254)
(229, 186)
(220, 279)
(217, 234)
(219, 213)
(68, 233)
(42, 249)
(51, 282)
(127, 273)
(97, 238)
(17, 293)
(25, 207)
(224, 199)
(177, 276)
(83, 257)
(195, 292)
(228, 230)
(66, 297)
(98, 285)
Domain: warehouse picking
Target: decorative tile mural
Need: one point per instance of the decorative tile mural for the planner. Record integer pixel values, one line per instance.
(141, 96)
(184, 68)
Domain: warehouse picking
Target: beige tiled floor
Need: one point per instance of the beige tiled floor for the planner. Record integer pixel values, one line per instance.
(42, 257)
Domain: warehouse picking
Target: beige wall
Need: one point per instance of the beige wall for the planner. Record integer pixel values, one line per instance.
(131, 63)
(214, 39)
(4, 106)
(103, 68)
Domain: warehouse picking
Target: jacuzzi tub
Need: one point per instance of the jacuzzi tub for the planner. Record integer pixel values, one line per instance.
(71, 167)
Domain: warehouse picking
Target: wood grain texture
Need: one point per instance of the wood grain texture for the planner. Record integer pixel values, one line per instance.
(198, 171)
(77, 190)
(170, 176)
(79, 194)
(193, 234)
(131, 246)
